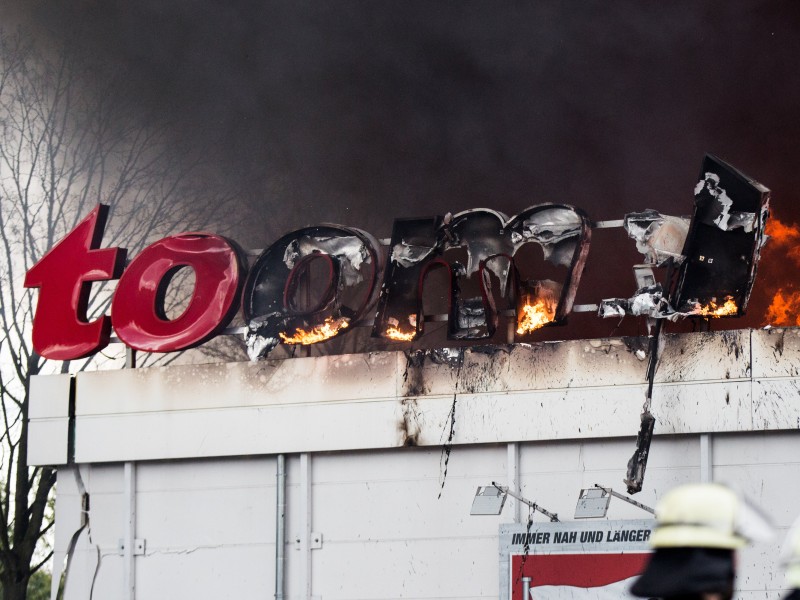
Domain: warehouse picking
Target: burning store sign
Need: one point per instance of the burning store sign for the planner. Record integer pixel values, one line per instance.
(491, 273)
(723, 245)
(309, 286)
(714, 256)
(320, 282)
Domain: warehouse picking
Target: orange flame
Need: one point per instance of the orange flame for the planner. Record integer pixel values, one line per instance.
(319, 333)
(712, 309)
(393, 333)
(535, 316)
(786, 237)
(784, 243)
(784, 309)
(782, 234)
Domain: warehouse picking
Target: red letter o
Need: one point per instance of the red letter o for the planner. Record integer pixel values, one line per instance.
(137, 311)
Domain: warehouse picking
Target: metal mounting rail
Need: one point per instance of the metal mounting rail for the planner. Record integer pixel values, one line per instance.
(552, 516)
(625, 498)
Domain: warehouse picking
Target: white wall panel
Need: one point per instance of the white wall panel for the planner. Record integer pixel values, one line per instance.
(48, 414)
(486, 418)
(238, 431)
(553, 474)
(178, 513)
(207, 514)
(757, 448)
(213, 573)
(176, 521)
(558, 391)
(108, 583)
(776, 402)
(209, 524)
(707, 356)
(323, 379)
(241, 472)
(48, 440)
(402, 502)
(776, 352)
(773, 486)
(447, 568)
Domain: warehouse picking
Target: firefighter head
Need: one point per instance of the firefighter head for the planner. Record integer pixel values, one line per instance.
(699, 528)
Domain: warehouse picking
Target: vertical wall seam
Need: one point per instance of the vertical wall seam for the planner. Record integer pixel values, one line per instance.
(280, 526)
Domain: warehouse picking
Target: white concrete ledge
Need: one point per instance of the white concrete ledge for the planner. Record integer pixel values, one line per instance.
(48, 420)
(730, 381)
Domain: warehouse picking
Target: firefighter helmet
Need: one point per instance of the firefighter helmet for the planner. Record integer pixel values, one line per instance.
(698, 529)
(707, 515)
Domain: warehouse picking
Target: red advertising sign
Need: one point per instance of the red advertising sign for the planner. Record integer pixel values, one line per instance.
(576, 560)
(586, 576)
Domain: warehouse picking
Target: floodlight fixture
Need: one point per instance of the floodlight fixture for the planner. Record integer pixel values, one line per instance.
(490, 499)
(593, 502)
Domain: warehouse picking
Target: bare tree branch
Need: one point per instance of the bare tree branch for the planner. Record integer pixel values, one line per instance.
(65, 147)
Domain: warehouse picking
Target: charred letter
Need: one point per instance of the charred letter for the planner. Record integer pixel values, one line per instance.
(309, 286)
(491, 242)
(415, 244)
(724, 242)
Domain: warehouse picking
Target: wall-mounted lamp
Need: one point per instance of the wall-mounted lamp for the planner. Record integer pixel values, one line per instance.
(490, 499)
(593, 502)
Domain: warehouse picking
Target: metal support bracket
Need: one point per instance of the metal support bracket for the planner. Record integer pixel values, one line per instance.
(315, 541)
(139, 546)
(552, 516)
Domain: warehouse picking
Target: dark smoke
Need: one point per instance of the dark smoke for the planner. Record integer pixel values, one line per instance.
(359, 112)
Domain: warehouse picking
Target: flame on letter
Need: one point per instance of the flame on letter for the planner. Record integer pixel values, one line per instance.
(534, 316)
(712, 309)
(393, 333)
(320, 333)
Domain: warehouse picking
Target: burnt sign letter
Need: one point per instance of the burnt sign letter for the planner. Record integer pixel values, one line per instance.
(309, 286)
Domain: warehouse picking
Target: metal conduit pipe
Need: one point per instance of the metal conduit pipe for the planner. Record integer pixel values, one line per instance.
(280, 527)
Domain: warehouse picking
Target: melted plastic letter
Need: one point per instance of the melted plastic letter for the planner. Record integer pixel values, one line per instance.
(415, 244)
(309, 286)
(723, 246)
(564, 234)
(491, 242)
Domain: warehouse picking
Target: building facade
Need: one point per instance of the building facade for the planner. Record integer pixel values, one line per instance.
(352, 477)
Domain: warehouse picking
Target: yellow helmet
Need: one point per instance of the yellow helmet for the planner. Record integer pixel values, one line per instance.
(707, 515)
(791, 555)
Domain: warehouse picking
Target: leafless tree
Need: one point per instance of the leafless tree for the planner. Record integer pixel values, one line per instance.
(64, 147)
